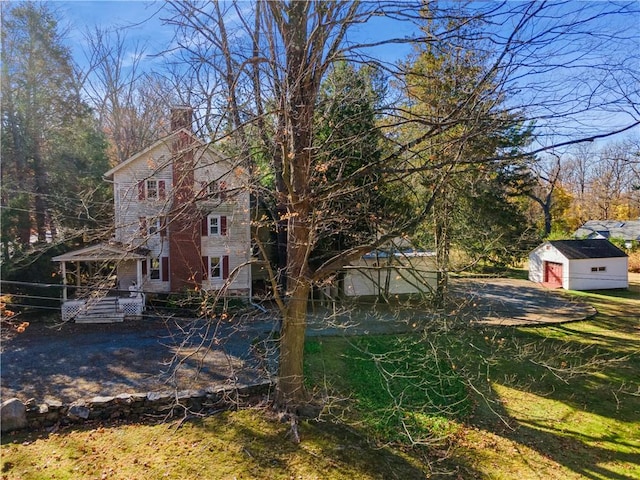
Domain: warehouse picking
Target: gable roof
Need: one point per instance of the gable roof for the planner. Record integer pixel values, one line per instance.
(590, 248)
(154, 145)
(625, 229)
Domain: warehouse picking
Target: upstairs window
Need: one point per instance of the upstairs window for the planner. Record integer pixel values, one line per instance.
(214, 225)
(152, 189)
(152, 226)
(216, 190)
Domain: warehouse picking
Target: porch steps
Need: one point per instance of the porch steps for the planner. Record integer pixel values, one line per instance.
(100, 311)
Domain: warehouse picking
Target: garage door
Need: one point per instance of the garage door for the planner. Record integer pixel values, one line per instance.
(553, 274)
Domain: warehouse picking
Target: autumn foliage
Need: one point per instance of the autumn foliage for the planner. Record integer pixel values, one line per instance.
(8, 318)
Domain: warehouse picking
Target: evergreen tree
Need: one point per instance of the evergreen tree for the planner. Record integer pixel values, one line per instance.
(53, 155)
(449, 86)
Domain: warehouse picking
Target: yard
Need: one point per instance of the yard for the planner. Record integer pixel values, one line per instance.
(557, 402)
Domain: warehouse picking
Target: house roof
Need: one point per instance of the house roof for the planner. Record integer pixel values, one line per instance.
(141, 153)
(590, 248)
(624, 229)
(197, 142)
(100, 252)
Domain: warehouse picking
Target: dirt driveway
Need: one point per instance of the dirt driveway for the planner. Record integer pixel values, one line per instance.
(84, 360)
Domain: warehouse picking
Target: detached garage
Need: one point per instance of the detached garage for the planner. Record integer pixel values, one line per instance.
(579, 265)
(391, 273)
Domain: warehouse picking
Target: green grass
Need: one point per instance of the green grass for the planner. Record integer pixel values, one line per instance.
(555, 402)
(400, 386)
(558, 402)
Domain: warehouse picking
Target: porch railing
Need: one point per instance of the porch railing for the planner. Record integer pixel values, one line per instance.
(111, 309)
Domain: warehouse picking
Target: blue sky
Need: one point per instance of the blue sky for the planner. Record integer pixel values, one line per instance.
(141, 21)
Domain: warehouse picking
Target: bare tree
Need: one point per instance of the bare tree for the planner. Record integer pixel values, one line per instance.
(259, 67)
(131, 104)
(547, 172)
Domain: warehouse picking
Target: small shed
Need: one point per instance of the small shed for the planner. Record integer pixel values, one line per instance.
(592, 264)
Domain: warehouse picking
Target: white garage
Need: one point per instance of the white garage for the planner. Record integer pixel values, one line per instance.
(391, 273)
(579, 265)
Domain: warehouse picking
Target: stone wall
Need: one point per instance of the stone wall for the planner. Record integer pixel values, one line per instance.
(135, 406)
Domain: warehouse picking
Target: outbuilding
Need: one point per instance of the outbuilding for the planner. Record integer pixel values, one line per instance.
(389, 273)
(592, 264)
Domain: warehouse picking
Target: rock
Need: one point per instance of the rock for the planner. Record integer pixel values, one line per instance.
(78, 411)
(101, 401)
(54, 404)
(13, 415)
(160, 396)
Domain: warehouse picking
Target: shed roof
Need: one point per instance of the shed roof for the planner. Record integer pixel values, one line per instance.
(590, 248)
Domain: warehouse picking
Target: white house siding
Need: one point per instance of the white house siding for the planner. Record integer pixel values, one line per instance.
(582, 277)
(236, 244)
(154, 163)
(128, 208)
(151, 164)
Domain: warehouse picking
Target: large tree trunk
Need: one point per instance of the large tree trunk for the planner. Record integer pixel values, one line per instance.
(291, 392)
(297, 111)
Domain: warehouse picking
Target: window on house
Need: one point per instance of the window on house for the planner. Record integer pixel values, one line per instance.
(217, 190)
(602, 269)
(152, 189)
(215, 270)
(214, 225)
(215, 267)
(154, 226)
(154, 269)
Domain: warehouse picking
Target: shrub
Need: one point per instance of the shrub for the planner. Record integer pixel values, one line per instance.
(634, 261)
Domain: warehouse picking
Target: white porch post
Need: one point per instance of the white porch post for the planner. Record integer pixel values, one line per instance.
(139, 274)
(64, 281)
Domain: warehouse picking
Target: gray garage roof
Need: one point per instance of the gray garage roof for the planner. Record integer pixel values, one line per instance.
(582, 249)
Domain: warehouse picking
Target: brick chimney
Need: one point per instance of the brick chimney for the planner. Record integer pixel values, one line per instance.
(181, 117)
(185, 227)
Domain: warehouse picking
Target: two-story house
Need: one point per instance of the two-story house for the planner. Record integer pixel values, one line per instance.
(182, 221)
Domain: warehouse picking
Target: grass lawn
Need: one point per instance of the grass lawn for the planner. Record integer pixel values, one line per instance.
(559, 402)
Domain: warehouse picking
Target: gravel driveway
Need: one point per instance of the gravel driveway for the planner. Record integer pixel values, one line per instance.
(83, 360)
(75, 361)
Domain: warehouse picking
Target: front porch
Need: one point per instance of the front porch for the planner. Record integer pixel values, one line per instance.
(92, 291)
